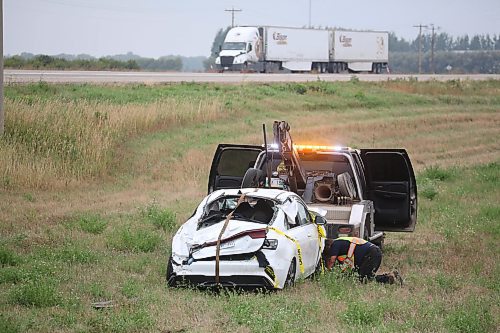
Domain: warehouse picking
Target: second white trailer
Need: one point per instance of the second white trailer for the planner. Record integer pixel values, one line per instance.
(360, 50)
(296, 49)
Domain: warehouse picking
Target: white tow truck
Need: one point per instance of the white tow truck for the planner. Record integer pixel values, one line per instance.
(362, 193)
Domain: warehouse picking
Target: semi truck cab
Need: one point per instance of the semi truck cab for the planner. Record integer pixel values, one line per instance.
(239, 50)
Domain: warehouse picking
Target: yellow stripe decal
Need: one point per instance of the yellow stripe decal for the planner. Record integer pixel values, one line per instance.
(299, 250)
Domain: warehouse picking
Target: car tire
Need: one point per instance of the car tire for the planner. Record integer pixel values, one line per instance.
(346, 186)
(290, 277)
(170, 273)
(320, 266)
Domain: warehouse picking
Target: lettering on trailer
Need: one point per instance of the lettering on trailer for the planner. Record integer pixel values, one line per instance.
(280, 38)
(346, 41)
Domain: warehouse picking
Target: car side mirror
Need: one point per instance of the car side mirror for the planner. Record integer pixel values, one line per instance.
(320, 220)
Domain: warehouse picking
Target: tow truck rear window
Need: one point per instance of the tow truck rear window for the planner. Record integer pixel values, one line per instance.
(235, 163)
(325, 162)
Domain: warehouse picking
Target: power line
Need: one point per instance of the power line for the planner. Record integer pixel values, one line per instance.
(420, 26)
(232, 14)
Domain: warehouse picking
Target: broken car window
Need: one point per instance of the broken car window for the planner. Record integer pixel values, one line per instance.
(252, 209)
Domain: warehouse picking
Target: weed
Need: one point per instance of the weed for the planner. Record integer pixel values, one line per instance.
(29, 197)
(8, 324)
(470, 317)
(125, 239)
(92, 223)
(428, 190)
(361, 313)
(445, 282)
(287, 316)
(490, 213)
(10, 275)
(297, 88)
(121, 320)
(8, 257)
(130, 288)
(163, 219)
(40, 293)
(75, 254)
(98, 291)
(360, 95)
(489, 172)
(354, 79)
(135, 265)
(437, 173)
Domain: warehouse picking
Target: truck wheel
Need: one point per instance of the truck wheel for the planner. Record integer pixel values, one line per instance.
(290, 277)
(346, 186)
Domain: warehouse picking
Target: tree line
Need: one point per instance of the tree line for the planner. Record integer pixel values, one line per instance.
(43, 61)
(445, 42)
(127, 61)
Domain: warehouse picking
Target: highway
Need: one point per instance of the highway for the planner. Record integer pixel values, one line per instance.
(24, 76)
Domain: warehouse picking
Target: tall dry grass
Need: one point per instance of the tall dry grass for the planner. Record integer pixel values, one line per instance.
(53, 143)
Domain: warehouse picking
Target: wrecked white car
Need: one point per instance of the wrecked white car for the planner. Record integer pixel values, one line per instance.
(247, 238)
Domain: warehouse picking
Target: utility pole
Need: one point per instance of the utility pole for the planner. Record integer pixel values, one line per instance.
(420, 26)
(433, 45)
(232, 14)
(2, 115)
(432, 50)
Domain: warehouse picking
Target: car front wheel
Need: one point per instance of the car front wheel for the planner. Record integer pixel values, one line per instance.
(290, 277)
(170, 273)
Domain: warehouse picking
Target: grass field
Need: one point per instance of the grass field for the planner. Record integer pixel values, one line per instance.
(94, 181)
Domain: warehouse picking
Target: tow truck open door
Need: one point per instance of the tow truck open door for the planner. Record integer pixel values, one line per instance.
(230, 164)
(391, 185)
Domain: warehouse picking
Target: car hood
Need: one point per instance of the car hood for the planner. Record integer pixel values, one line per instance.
(202, 243)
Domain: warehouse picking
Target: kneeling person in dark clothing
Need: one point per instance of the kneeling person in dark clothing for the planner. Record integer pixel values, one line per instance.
(359, 255)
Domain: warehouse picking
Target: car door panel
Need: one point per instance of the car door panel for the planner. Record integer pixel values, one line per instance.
(392, 188)
(306, 233)
(229, 165)
(300, 234)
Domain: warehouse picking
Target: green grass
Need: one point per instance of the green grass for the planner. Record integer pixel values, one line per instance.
(70, 237)
(134, 240)
(8, 257)
(161, 218)
(40, 293)
(92, 223)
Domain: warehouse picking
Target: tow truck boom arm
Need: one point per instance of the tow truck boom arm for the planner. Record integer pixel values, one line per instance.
(296, 175)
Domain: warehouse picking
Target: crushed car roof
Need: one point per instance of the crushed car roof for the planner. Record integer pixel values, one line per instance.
(257, 192)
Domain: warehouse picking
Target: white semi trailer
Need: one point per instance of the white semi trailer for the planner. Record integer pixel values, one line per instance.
(272, 49)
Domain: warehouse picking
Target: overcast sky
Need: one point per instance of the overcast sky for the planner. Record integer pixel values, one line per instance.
(187, 27)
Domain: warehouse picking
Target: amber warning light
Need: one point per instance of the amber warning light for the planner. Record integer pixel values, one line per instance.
(316, 148)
